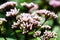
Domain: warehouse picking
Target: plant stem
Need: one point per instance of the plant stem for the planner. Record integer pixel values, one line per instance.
(1, 33)
(46, 18)
(26, 36)
(17, 38)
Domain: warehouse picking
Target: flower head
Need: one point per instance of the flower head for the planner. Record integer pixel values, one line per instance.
(8, 4)
(26, 22)
(46, 13)
(54, 3)
(46, 27)
(12, 12)
(37, 33)
(2, 20)
(31, 6)
(47, 35)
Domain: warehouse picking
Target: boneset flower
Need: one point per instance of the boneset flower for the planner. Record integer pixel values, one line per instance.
(12, 12)
(46, 13)
(8, 4)
(2, 20)
(31, 6)
(37, 34)
(47, 35)
(31, 20)
(26, 22)
(54, 3)
(46, 27)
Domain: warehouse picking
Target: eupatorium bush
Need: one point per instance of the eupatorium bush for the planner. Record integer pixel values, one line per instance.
(29, 20)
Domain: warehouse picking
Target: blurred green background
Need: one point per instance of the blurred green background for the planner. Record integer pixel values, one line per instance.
(43, 4)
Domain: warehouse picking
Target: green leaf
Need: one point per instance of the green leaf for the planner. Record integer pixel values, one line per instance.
(17, 31)
(56, 28)
(58, 19)
(1, 38)
(38, 38)
(10, 39)
(30, 33)
(49, 22)
(52, 39)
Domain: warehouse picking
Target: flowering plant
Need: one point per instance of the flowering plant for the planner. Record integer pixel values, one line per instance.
(30, 23)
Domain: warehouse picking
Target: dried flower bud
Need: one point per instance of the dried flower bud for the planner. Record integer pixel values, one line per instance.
(8, 4)
(2, 20)
(12, 12)
(46, 27)
(37, 33)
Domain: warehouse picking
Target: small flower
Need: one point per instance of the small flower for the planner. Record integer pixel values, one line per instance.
(8, 4)
(12, 12)
(35, 16)
(37, 33)
(46, 27)
(2, 20)
(54, 35)
(53, 15)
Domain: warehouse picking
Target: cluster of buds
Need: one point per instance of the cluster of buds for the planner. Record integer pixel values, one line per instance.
(31, 6)
(54, 3)
(46, 13)
(47, 35)
(26, 22)
(2, 20)
(12, 12)
(8, 4)
(37, 34)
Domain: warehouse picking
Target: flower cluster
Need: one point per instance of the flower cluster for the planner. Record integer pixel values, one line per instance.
(37, 34)
(8, 4)
(47, 35)
(54, 3)
(31, 6)
(12, 12)
(26, 22)
(46, 27)
(46, 13)
(31, 20)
